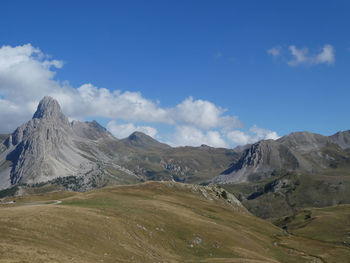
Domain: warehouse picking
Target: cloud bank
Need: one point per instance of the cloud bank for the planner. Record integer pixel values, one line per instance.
(27, 74)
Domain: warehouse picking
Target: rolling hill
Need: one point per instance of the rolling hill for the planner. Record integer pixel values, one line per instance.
(150, 222)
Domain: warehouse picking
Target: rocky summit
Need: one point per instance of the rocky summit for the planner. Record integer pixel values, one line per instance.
(49, 147)
(301, 152)
(84, 155)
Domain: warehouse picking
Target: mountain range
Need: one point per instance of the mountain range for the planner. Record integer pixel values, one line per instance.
(206, 209)
(84, 155)
(271, 177)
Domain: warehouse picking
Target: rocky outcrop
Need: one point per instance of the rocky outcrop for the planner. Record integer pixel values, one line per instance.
(299, 151)
(49, 147)
(342, 139)
(43, 148)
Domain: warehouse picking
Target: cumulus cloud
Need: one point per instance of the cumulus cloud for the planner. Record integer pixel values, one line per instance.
(91, 101)
(302, 56)
(124, 130)
(255, 134)
(191, 136)
(188, 135)
(238, 137)
(263, 134)
(27, 74)
(203, 114)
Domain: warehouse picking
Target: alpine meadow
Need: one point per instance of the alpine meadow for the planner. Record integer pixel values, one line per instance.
(174, 131)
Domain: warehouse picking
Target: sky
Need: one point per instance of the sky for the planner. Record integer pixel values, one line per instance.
(221, 73)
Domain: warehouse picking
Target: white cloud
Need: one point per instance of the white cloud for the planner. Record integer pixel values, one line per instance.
(275, 51)
(203, 114)
(263, 134)
(302, 56)
(239, 137)
(191, 136)
(27, 75)
(91, 101)
(124, 130)
(326, 56)
(255, 134)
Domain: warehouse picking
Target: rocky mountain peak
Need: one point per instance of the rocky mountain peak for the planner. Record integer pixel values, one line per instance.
(143, 141)
(49, 108)
(138, 135)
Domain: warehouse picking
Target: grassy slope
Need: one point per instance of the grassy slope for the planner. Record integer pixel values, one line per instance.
(330, 225)
(299, 191)
(314, 223)
(327, 184)
(151, 222)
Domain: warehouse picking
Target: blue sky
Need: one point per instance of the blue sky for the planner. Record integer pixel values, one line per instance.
(213, 51)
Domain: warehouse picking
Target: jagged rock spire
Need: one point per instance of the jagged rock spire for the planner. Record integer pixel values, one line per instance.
(49, 108)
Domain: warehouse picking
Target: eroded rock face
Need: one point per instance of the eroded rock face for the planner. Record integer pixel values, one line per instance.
(84, 155)
(42, 147)
(49, 146)
(342, 139)
(298, 151)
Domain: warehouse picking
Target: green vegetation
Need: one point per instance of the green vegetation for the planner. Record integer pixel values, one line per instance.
(285, 195)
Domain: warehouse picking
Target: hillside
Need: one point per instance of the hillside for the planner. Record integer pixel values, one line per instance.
(150, 222)
(281, 177)
(330, 224)
(290, 193)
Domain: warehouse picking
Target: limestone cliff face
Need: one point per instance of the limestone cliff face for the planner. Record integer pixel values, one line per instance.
(43, 147)
(49, 146)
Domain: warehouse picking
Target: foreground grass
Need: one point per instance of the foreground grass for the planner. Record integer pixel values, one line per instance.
(150, 222)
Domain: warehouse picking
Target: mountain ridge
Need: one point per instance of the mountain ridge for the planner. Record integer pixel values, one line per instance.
(298, 151)
(78, 156)
(84, 155)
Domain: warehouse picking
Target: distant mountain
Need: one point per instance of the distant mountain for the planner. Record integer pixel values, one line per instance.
(272, 178)
(282, 177)
(84, 155)
(299, 151)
